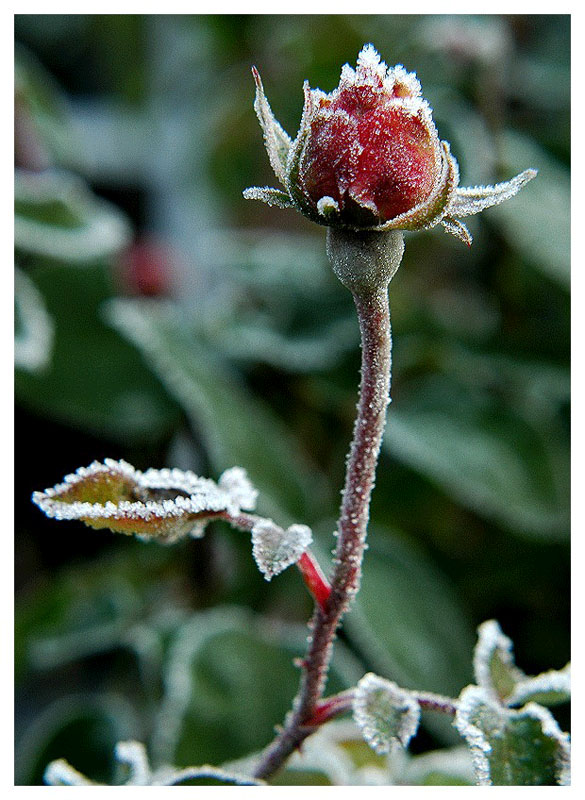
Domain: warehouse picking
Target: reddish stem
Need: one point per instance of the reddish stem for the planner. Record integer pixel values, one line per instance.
(374, 319)
(314, 578)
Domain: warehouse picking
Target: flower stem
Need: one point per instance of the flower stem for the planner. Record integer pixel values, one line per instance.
(373, 311)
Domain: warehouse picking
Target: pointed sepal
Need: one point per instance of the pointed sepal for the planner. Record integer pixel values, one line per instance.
(473, 199)
(276, 140)
(272, 197)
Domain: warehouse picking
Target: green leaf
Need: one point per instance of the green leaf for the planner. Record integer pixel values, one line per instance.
(512, 748)
(496, 672)
(84, 728)
(229, 680)
(236, 428)
(493, 661)
(386, 714)
(33, 339)
(95, 380)
(408, 620)
(483, 455)
(549, 688)
(57, 217)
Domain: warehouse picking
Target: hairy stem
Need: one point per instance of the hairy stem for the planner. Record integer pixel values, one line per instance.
(374, 320)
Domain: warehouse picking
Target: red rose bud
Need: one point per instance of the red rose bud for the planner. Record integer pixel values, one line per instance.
(368, 155)
(371, 150)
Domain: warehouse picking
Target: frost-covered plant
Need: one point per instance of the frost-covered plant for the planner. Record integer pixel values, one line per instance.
(367, 163)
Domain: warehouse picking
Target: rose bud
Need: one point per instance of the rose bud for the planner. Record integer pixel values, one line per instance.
(368, 156)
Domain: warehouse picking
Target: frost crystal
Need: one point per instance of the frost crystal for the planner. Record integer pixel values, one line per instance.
(274, 549)
(385, 714)
(165, 504)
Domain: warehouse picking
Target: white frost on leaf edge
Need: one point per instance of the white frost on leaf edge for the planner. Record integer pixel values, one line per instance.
(134, 755)
(473, 696)
(376, 701)
(33, 344)
(231, 494)
(553, 681)
(492, 642)
(274, 549)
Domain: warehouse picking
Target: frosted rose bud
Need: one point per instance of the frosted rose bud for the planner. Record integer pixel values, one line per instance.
(368, 156)
(371, 151)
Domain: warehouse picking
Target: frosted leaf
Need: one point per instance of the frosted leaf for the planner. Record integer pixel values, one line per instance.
(61, 773)
(133, 755)
(473, 199)
(33, 341)
(236, 483)
(272, 197)
(165, 504)
(548, 688)
(172, 776)
(493, 661)
(385, 714)
(495, 671)
(509, 747)
(277, 141)
(274, 549)
(95, 229)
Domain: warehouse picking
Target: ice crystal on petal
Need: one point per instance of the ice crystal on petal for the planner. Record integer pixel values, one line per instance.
(385, 714)
(274, 549)
(165, 504)
(134, 755)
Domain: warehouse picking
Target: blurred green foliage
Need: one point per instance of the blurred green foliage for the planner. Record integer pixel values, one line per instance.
(247, 353)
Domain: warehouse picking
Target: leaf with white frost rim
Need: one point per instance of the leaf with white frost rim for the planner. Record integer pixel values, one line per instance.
(385, 714)
(495, 671)
(134, 757)
(274, 549)
(165, 504)
(549, 688)
(493, 660)
(512, 748)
